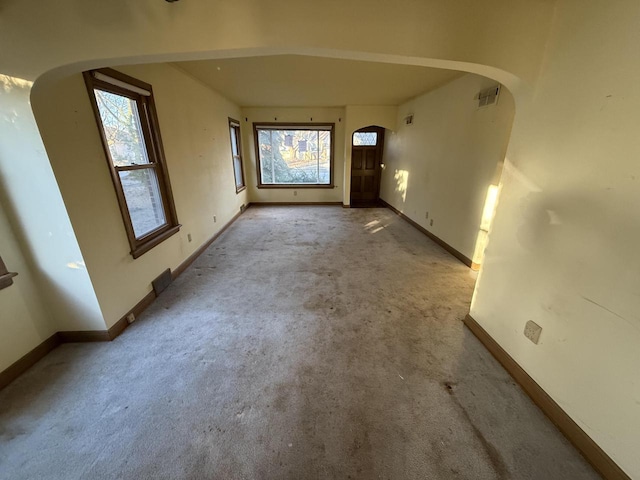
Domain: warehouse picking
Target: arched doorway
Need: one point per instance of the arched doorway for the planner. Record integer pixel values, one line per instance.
(367, 146)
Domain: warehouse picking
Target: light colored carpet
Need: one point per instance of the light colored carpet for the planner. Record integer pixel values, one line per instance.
(305, 343)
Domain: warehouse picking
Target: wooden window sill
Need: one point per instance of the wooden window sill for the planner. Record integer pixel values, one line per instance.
(291, 185)
(149, 244)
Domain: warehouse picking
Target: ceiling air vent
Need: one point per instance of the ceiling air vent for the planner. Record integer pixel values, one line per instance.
(488, 96)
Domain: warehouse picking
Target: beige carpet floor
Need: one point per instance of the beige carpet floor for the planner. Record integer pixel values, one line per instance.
(305, 343)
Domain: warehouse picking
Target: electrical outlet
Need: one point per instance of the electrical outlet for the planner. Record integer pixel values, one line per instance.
(532, 331)
(431, 222)
(131, 318)
(426, 216)
(214, 219)
(189, 236)
(295, 193)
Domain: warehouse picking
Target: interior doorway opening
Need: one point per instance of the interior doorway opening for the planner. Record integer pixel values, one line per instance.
(367, 146)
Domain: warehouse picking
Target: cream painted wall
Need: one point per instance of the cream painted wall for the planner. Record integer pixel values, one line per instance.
(25, 322)
(194, 126)
(357, 118)
(38, 215)
(85, 30)
(445, 162)
(563, 250)
(292, 115)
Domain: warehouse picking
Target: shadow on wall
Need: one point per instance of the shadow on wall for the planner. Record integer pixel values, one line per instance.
(37, 215)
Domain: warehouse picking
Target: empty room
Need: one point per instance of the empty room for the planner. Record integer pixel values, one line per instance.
(292, 240)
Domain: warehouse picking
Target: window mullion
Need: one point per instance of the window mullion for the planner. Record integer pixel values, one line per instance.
(138, 166)
(273, 167)
(152, 152)
(145, 124)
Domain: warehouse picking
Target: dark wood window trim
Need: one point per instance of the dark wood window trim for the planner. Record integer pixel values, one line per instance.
(297, 126)
(6, 277)
(235, 125)
(141, 93)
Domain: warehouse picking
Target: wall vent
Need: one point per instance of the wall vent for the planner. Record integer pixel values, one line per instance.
(243, 207)
(488, 96)
(162, 282)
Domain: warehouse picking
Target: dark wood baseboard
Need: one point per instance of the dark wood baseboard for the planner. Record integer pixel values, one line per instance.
(191, 258)
(459, 255)
(76, 336)
(113, 332)
(589, 449)
(16, 369)
(292, 204)
(27, 361)
(121, 325)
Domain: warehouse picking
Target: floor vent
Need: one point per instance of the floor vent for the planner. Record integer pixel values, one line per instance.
(162, 282)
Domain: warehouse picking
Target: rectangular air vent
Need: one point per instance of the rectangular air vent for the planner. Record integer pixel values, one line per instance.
(488, 96)
(162, 282)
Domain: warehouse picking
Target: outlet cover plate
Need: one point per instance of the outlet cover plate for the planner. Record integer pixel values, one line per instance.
(532, 331)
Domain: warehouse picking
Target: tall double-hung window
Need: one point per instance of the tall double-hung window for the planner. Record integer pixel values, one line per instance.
(236, 154)
(126, 116)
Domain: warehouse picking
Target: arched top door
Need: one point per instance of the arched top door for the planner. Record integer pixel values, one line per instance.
(366, 159)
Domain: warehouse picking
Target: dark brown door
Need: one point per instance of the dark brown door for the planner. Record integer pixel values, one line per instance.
(366, 157)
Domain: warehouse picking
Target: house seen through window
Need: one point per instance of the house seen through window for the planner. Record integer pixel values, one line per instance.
(294, 155)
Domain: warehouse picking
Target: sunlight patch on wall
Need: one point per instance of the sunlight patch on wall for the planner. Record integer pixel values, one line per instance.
(489, 207)
(402, 179)
(488, 213)
(9, 83)
(7, 86)
(76, 265)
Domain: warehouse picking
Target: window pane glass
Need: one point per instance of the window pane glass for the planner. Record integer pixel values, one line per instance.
(363, 139)
(144, 202)
(121, 125)
(295, 156)
(237, 170)
(234, 141)
(266, 157)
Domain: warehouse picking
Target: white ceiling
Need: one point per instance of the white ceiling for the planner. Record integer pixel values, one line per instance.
(297, 81)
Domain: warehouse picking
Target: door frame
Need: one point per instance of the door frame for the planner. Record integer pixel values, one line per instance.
(379, 147)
